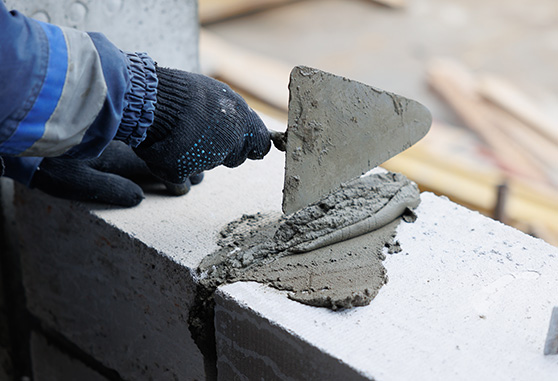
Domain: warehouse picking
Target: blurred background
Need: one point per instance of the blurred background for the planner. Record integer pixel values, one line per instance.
(487, 70)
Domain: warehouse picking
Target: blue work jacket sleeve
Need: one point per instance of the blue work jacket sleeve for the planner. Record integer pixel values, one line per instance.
(64, 92)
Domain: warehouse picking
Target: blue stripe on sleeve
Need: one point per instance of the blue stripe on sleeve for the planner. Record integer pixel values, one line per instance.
(32, 127)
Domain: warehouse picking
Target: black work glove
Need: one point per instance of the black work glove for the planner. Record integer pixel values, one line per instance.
(106, 179)
(199, 124)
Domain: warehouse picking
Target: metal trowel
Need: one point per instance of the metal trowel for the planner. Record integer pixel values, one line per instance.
(339, 129)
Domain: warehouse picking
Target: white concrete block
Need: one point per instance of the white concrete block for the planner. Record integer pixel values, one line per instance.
(49, 363)
(119, 283)
(250, 346)
(117, 299)
(166, 29)
(467, 299)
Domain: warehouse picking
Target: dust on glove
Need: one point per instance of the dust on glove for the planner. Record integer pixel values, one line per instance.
(106, 179)
(199, 123)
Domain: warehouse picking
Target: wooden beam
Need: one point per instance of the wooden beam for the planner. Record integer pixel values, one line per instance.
(536, 146)
(392, 3)
(217, 10)
(456, 85)
(261, 76)
(511, 99)
(476, 187)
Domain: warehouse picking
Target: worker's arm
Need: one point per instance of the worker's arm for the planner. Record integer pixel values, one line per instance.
(63, 91)
(66, 92)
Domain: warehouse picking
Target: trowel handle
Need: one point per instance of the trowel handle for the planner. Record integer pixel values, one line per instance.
(279, 140)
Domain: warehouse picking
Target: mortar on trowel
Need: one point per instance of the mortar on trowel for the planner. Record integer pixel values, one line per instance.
(338, 130)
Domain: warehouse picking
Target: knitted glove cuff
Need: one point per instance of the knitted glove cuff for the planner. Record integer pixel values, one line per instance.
(139, 100)
(171, 100)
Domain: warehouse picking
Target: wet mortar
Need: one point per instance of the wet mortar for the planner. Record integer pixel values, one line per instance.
(328, 254)
(304, 253)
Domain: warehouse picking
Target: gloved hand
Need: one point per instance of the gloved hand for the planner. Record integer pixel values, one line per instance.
(199, 124)
(106, 179)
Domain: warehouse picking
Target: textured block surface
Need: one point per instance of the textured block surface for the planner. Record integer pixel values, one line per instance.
(253, 347)
(120, 301)
(166, 29)
(467, 298)
(49, 363)
(119, 283)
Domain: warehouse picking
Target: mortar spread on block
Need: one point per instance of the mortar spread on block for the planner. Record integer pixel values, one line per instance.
(322, 254)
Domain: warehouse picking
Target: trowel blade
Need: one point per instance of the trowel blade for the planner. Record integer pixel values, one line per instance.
(339, 129)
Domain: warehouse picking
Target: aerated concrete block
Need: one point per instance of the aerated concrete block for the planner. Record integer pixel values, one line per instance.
(252, 347)
(50, 363)
(119, 300)
(468, 298)
(166, 29)
(119, 283)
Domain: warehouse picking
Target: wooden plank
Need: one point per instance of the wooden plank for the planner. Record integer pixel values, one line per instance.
(217, 10)
(544, 232)
(438, 164)
(511, 99)
(538, 148)
(392, 3)
(477, 187)
(263, 77)
(261, 107)
(455, 84)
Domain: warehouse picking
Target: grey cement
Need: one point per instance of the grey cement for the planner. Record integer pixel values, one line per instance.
(339, 129)
(310, 253)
